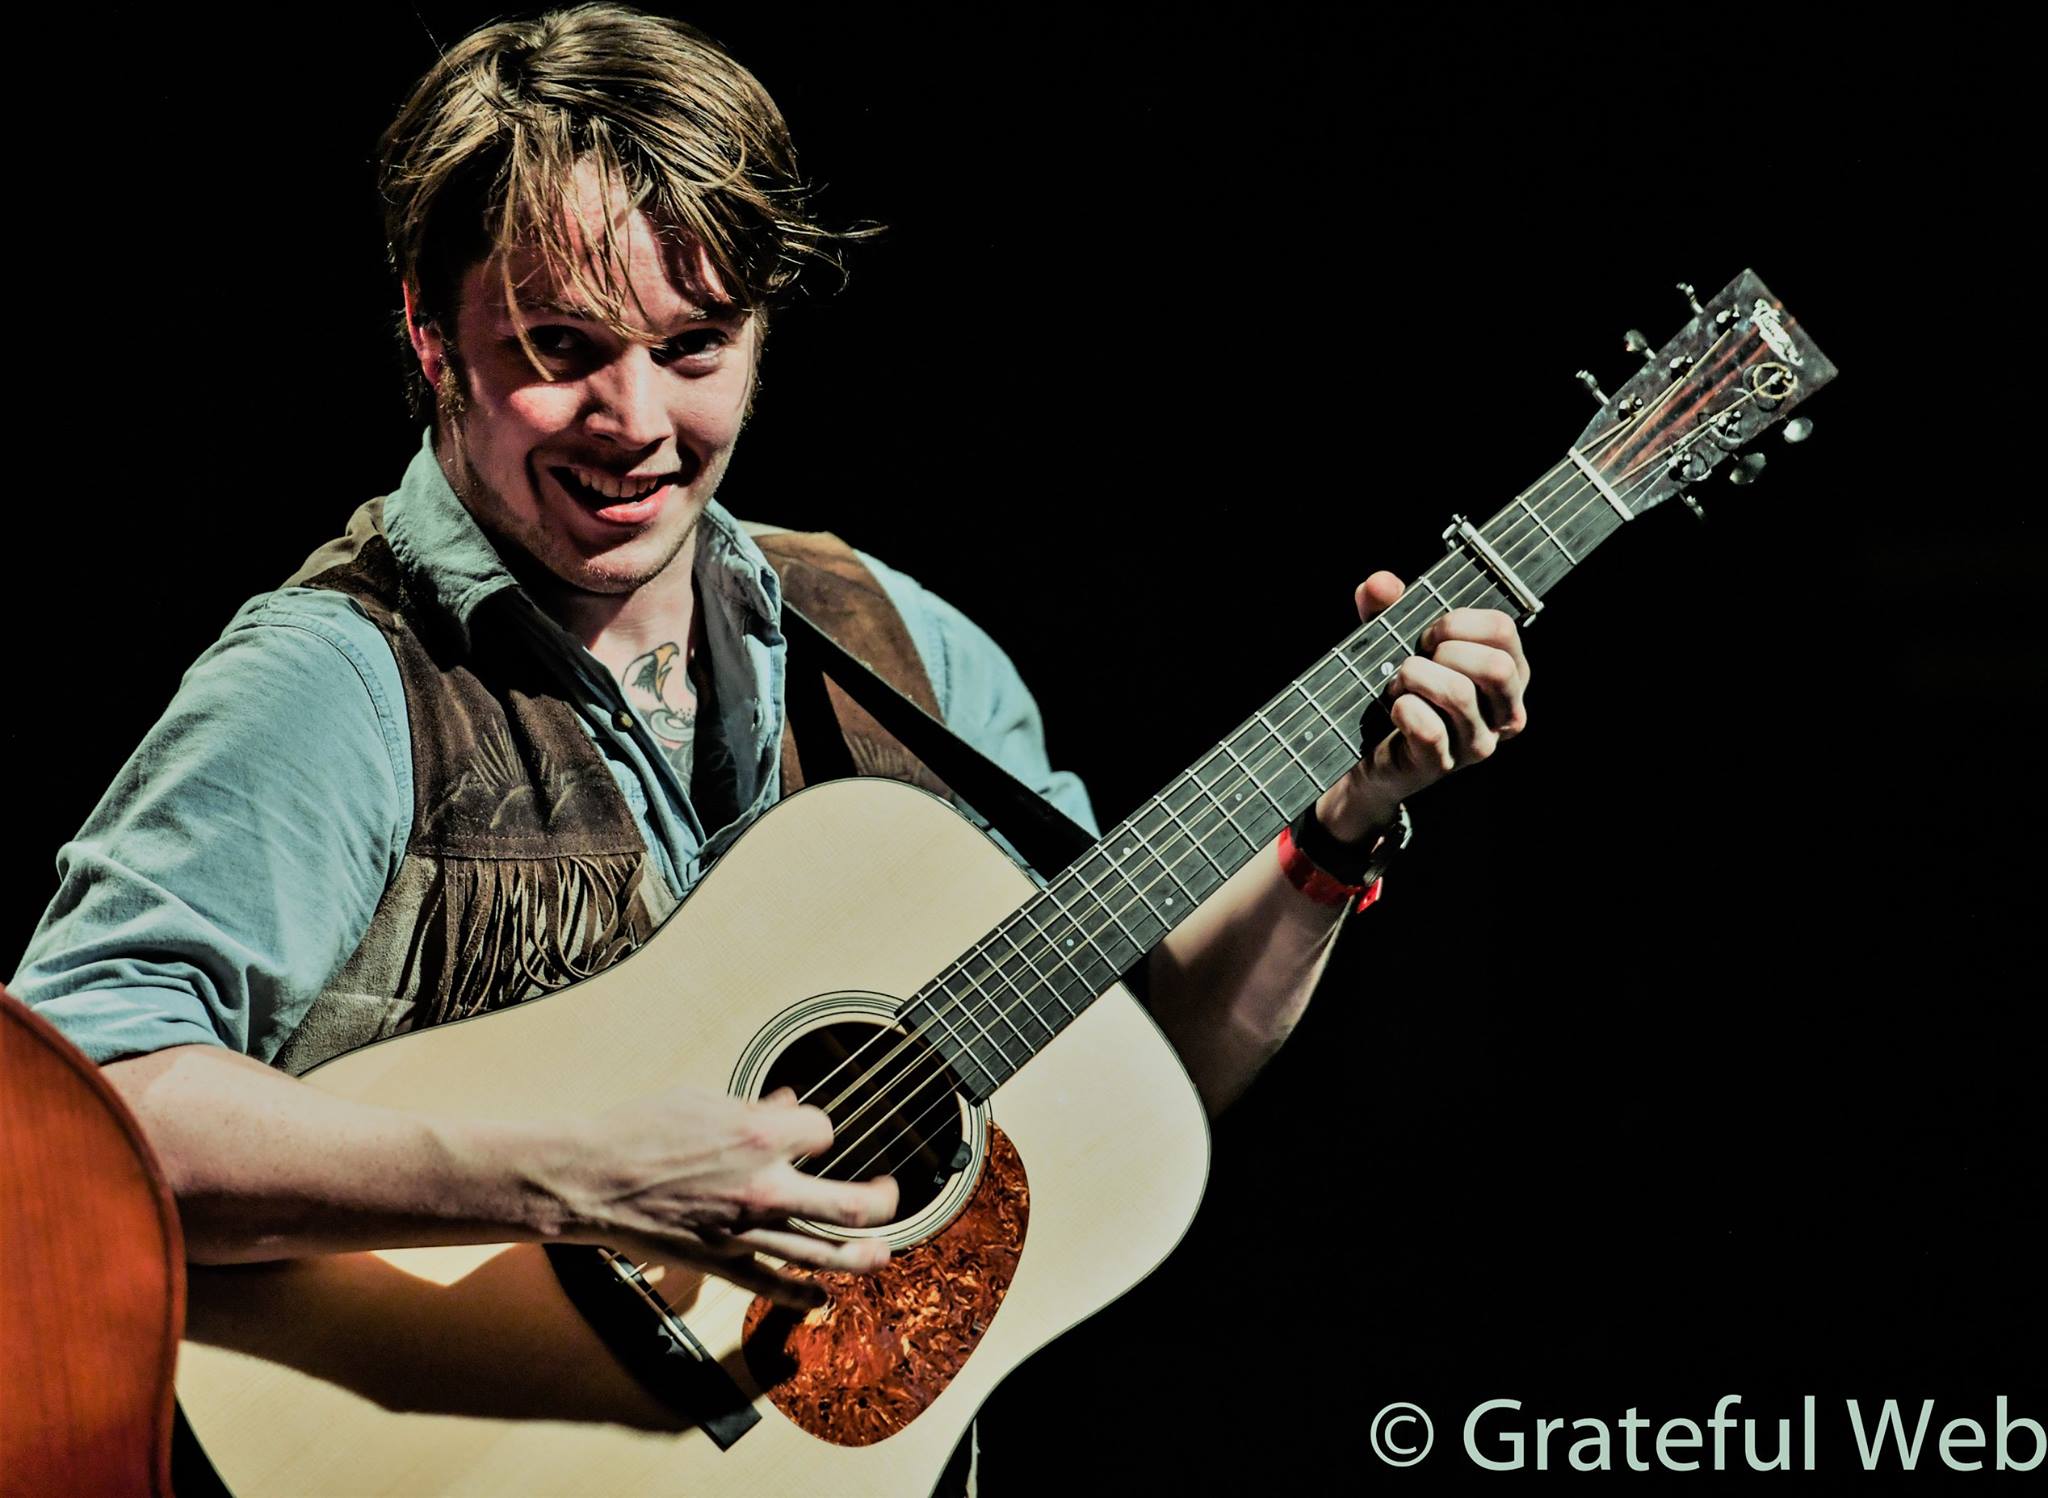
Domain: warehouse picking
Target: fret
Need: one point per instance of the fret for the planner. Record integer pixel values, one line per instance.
(1229, 820)
(1103, 872)
(1281, 740)
(1400, 644)
(965, 1050)
(1257, 784)
(1122, 880)
(1437, 594)
(1221, 872)
(1371, 691)
(1593, 477)
(1570, 560)
(1022, 992)
(1115, 913)
(1169, 868)
(1490, 596)
(1059, 950)
(1007, 932)
(1335, 727)
(1139, 890)
(1089, 936)
(987, 1001)
(1586, 526)
(1385, 670)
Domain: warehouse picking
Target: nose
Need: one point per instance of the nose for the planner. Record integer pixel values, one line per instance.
(628, 404)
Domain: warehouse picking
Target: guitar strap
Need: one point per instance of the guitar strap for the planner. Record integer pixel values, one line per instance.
(1048, 838)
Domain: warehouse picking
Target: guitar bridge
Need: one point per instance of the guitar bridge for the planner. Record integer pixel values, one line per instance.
(644, 1333)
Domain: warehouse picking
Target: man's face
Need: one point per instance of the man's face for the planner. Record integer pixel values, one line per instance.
(599, 469)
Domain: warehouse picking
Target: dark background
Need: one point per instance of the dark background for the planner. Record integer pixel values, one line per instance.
(1696, 1046)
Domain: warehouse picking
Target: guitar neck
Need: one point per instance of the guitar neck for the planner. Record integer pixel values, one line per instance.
(999, 1005)
(1734, 371)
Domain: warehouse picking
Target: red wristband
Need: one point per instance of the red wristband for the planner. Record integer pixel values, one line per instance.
(1320, 887)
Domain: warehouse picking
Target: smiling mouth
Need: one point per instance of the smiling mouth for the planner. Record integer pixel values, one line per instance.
(600, 490)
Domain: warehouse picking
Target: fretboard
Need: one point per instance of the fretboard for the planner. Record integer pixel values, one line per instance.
(1005, 1000)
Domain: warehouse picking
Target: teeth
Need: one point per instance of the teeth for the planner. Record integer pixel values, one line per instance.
(612, 487)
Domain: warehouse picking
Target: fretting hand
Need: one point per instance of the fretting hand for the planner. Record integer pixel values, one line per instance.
(1453, 704)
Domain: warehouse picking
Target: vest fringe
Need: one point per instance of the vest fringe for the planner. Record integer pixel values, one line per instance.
(499, 930)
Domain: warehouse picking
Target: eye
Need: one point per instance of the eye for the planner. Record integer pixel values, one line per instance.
(698, 346)
(555, 342)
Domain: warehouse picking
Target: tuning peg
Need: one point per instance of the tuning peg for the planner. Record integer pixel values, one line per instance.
(1694, 505)
(1594, 386)
(1747, 469)
(1798, 429)
(1634, 341)
(1691, 300)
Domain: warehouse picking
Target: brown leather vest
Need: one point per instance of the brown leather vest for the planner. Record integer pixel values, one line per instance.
(525, 869)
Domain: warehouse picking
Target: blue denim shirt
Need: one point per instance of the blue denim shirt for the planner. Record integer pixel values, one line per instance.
(236, 860)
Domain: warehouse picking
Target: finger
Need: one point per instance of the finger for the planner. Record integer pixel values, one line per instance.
(748, 1272)
(1456, 697)
(1376, 593)
(781, 1096)
(794, 1129)
(1493, 671)
(726, 1257)
(1420, 750)
(1481, 627)
(851, 1204)
(861, 1256)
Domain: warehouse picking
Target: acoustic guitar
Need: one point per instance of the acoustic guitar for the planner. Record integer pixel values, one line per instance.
(964, 1029)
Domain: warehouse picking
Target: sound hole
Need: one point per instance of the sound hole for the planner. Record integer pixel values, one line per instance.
(892, 1104)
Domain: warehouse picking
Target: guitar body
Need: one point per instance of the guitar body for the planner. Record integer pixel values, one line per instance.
(96, 1264)
(467, 1370)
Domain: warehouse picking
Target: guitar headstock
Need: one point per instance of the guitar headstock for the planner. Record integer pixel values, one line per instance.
(1739, 368)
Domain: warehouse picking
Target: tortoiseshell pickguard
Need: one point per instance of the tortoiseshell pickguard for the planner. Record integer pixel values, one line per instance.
(873, 1358)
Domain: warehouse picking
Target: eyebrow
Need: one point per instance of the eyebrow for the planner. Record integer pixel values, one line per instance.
(710, 311)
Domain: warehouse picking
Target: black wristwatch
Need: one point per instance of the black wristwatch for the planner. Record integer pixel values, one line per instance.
(1350, 863)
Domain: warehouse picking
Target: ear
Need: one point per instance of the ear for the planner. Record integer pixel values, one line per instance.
(427, 343)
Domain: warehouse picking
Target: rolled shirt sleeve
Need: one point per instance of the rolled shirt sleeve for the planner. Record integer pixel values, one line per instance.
(982, 697)
(236, 860)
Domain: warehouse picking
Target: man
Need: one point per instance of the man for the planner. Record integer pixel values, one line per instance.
(539, 690)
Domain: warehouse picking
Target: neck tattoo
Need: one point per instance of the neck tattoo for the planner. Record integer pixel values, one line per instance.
(664, 698)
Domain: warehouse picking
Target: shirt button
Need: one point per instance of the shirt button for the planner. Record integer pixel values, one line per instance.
(625, 721)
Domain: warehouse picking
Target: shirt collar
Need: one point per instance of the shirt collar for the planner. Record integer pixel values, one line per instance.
(454, 565)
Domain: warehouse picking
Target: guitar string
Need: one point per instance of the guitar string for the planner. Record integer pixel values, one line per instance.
(1168, 867)
(1534, 530)
(1209, 821)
